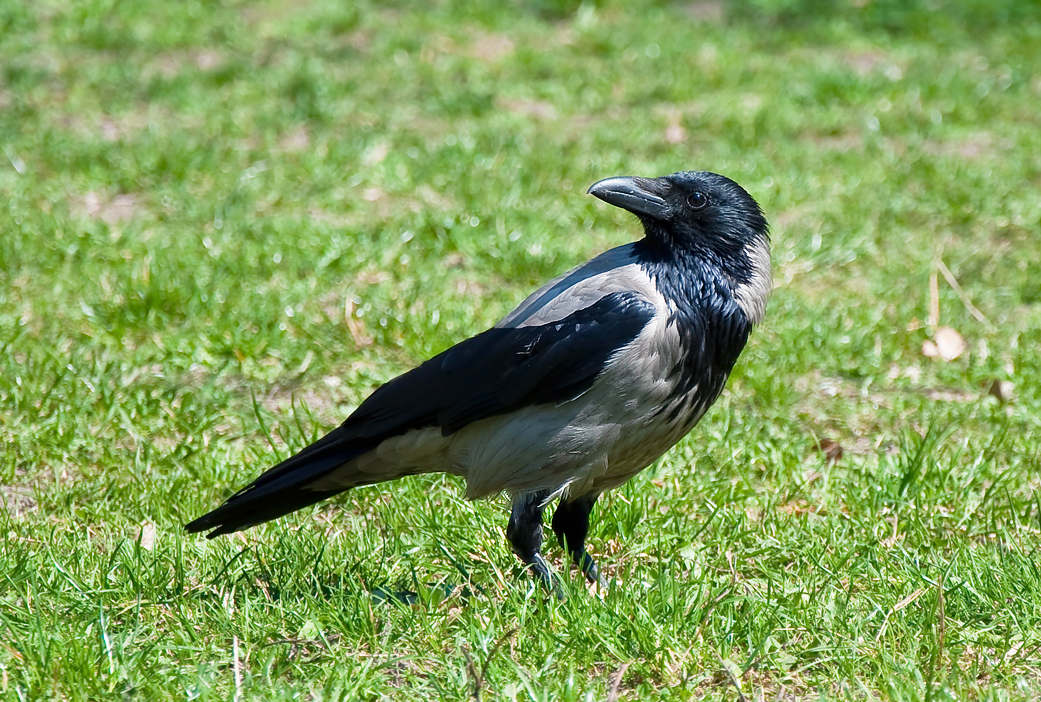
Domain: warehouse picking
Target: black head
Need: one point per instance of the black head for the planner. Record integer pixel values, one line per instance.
(691, 208)
(704, 219)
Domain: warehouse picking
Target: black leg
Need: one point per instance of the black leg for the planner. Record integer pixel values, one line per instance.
(571, 524)
(525, 534)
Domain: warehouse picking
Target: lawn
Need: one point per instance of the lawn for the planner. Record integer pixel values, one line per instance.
(225, 222)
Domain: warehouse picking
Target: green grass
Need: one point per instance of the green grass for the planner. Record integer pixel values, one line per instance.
(224, 223)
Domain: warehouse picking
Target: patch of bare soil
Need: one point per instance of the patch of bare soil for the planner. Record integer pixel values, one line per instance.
(539, 109)
(112, 210)
(17, 500)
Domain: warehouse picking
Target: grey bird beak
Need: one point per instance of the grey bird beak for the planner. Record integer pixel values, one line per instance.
(641, 196)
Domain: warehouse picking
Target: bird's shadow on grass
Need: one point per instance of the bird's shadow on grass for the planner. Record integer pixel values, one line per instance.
(249, 574)
(279, 584)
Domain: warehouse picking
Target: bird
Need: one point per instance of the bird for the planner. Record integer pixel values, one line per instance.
(591, 379)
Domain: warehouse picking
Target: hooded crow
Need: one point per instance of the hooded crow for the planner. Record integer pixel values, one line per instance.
(589, 381)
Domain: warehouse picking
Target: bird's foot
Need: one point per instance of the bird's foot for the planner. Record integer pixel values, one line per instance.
(591, 571)
(525, 534)
(544, 576)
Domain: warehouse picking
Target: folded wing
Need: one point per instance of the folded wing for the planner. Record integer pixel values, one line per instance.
(496, 372)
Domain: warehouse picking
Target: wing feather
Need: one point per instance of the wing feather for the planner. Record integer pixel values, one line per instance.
(498, 371)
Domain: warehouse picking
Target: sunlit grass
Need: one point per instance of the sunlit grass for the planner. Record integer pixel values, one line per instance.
(225, 223)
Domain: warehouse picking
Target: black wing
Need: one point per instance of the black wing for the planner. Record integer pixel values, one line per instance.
(495, 372)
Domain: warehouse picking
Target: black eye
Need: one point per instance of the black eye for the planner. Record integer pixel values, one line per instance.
(697, 200)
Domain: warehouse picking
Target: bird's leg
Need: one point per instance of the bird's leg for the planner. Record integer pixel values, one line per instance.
(571, 524)
(525, 534)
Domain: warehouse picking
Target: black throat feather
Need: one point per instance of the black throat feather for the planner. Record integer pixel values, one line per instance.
(713, 329)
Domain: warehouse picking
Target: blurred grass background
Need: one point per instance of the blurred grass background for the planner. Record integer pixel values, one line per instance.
(225, 223)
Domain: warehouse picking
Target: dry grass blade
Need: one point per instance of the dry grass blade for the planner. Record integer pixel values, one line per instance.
(962, 295)
(236, 667)
(471, 669)
(616, 683)
(730, 676)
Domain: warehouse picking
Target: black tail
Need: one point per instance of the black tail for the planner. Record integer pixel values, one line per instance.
(282, 489)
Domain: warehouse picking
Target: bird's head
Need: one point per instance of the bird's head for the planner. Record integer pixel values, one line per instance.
(704, 217)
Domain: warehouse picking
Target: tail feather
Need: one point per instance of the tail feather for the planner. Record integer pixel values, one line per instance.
(283, 489)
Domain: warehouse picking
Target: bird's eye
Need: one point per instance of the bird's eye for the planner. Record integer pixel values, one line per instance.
(697, 200)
